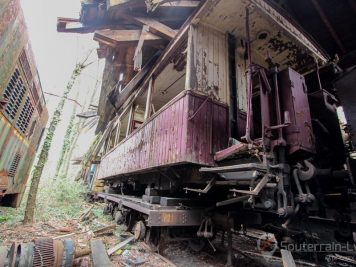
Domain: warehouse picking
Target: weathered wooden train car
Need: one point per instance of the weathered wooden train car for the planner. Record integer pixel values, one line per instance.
(23, 113)
(220, 105)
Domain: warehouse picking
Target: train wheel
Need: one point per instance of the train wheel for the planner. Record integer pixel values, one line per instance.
(139, 230)
(153, 237)
(119, 217)
(130, 220)
(114, 212)
(106, 210)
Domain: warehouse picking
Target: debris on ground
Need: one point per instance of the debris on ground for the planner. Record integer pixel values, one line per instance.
(98, 253)
(84, 216)
(106, 230)
(120, 245)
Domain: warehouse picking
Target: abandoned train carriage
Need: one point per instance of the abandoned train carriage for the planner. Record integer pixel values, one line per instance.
(218, 104)
(23, 114)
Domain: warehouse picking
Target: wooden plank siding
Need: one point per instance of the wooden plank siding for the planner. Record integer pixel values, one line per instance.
(170, 137)
(208, 62)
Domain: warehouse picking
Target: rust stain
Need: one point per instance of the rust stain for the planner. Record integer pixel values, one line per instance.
(295, 58)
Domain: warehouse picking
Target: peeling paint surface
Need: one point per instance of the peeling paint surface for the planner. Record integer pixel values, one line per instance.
(170, 138)
(271, 33)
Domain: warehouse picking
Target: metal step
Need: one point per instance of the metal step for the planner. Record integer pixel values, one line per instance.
(246, 171)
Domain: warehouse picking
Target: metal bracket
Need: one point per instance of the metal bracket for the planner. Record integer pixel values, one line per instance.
(202, 191)
(257, 189)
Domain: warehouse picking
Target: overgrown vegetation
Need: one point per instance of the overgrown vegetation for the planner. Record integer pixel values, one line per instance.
(43, 156)
(60, 199)
(66, 145)
(73, 131)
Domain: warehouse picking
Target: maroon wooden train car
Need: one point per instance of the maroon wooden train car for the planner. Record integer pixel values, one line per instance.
(189, 129)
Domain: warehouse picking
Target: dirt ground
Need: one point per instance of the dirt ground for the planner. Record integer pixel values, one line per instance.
(81, 232)
(90, 219)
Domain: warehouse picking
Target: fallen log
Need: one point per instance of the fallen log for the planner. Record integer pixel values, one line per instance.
(105, 230)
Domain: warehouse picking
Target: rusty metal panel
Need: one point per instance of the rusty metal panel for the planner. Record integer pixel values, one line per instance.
(188, 130)
(158, 215)
(13, 37)
(16, 157)
(294, 99)
(20, 130)
(175, 217)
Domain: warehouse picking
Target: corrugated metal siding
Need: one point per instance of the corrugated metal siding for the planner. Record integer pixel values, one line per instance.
(13, 37)
(12, 143)
(16, 140)
(170, 138)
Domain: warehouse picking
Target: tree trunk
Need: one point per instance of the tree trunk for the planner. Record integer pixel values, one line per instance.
(76, 133)
(66, 145)
(38, 169)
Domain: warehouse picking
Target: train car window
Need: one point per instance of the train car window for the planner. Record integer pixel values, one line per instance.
(124, 124)
(112, 138)
(14, 93)
(14, 165)
(25, 116)
(25, 65)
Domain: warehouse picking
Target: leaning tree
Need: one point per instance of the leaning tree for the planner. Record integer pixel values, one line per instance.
(43, 156)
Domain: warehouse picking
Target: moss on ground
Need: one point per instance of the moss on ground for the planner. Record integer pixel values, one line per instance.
(58, 200)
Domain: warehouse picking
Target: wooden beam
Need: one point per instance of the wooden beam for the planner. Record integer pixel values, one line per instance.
(328, 25)
(99, 254)
(126, 38)
(155, 26)
(103, 51)
(181, 4)
(129, 122)
(163, 58)
(148, 100)
(75, 26)
(159, 4)
(138, 51)
(117, 133)
(225, 153)
(124, 4)
(134, 82)
(120, 245)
